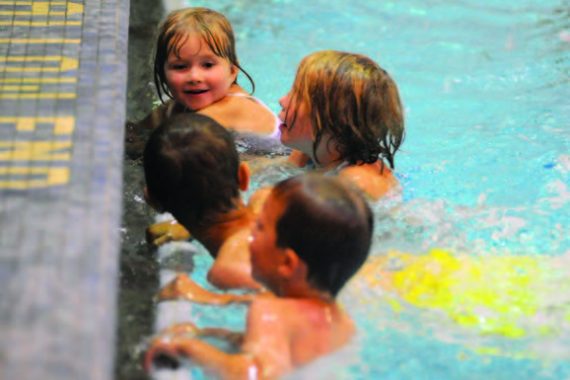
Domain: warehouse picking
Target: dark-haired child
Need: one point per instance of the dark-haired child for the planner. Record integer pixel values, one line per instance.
(192, 171)
(312, 235)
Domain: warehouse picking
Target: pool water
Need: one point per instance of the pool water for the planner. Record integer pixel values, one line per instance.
(485, 90)
(485, 173)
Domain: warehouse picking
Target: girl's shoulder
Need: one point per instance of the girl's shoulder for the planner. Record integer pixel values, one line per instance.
(243, 113)
(375, 179)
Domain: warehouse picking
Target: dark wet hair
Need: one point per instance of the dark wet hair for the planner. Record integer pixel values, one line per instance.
(214, 29)
(191, 167)
(350, 97)
(328, 224)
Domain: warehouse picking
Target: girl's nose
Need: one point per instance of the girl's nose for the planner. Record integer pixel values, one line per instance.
(194, 75)
(284, 101)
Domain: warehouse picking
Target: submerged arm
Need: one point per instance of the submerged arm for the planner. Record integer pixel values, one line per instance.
(265, 351)
(232, 267)
(183, 287)
(218, 363)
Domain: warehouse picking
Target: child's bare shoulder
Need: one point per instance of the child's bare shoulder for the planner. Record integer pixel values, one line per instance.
(370, 178)
(243, 113)
(271, 308)
(266, 302)
(300, 312)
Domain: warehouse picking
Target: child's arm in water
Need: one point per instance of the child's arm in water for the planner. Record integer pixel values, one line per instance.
(264, 354)
(183, 287)
(190, 330)
(232, 267)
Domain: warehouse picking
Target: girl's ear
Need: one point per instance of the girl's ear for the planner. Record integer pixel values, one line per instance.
(234, 73)
(244, 175)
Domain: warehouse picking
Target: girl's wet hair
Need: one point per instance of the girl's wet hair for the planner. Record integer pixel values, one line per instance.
(212, 27)
(328, 224)
(191, 167)
(355, 101)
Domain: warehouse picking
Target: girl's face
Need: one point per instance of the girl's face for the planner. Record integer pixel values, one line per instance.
(296, 130)
(197, 77)
(265, 254)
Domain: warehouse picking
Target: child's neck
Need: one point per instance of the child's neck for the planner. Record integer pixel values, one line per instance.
(306, 292)
(236, 88)
(221, 226)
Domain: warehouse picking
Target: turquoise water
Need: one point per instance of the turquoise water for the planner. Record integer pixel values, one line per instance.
(484, 167)
(485, 89)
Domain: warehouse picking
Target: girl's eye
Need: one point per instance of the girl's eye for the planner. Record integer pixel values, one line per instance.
(177, 66)
(208, 64)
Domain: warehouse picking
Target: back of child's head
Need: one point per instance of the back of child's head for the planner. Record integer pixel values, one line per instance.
(212, 27)
(328, 224)
(191, 167)
(350, 97)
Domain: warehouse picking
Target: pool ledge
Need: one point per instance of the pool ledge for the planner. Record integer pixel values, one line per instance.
(63, 77)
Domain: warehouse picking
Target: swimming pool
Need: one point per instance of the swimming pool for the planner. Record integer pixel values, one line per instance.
(484, 168)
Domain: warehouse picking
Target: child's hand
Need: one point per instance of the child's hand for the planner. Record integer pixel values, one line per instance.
(163, 352)
(160, 233)
(163, 348)
(167, 351)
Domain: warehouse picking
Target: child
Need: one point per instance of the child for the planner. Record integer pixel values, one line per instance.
(344, 114)
(196, 68)
(312, 235)
(192, 170)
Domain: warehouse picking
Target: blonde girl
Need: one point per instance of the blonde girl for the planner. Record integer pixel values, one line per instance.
(344, 114)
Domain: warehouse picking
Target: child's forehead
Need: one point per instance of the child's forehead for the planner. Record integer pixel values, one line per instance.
(189, 44)
(198, 41)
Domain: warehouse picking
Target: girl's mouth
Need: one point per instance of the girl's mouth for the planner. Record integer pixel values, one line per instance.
(195, 92)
